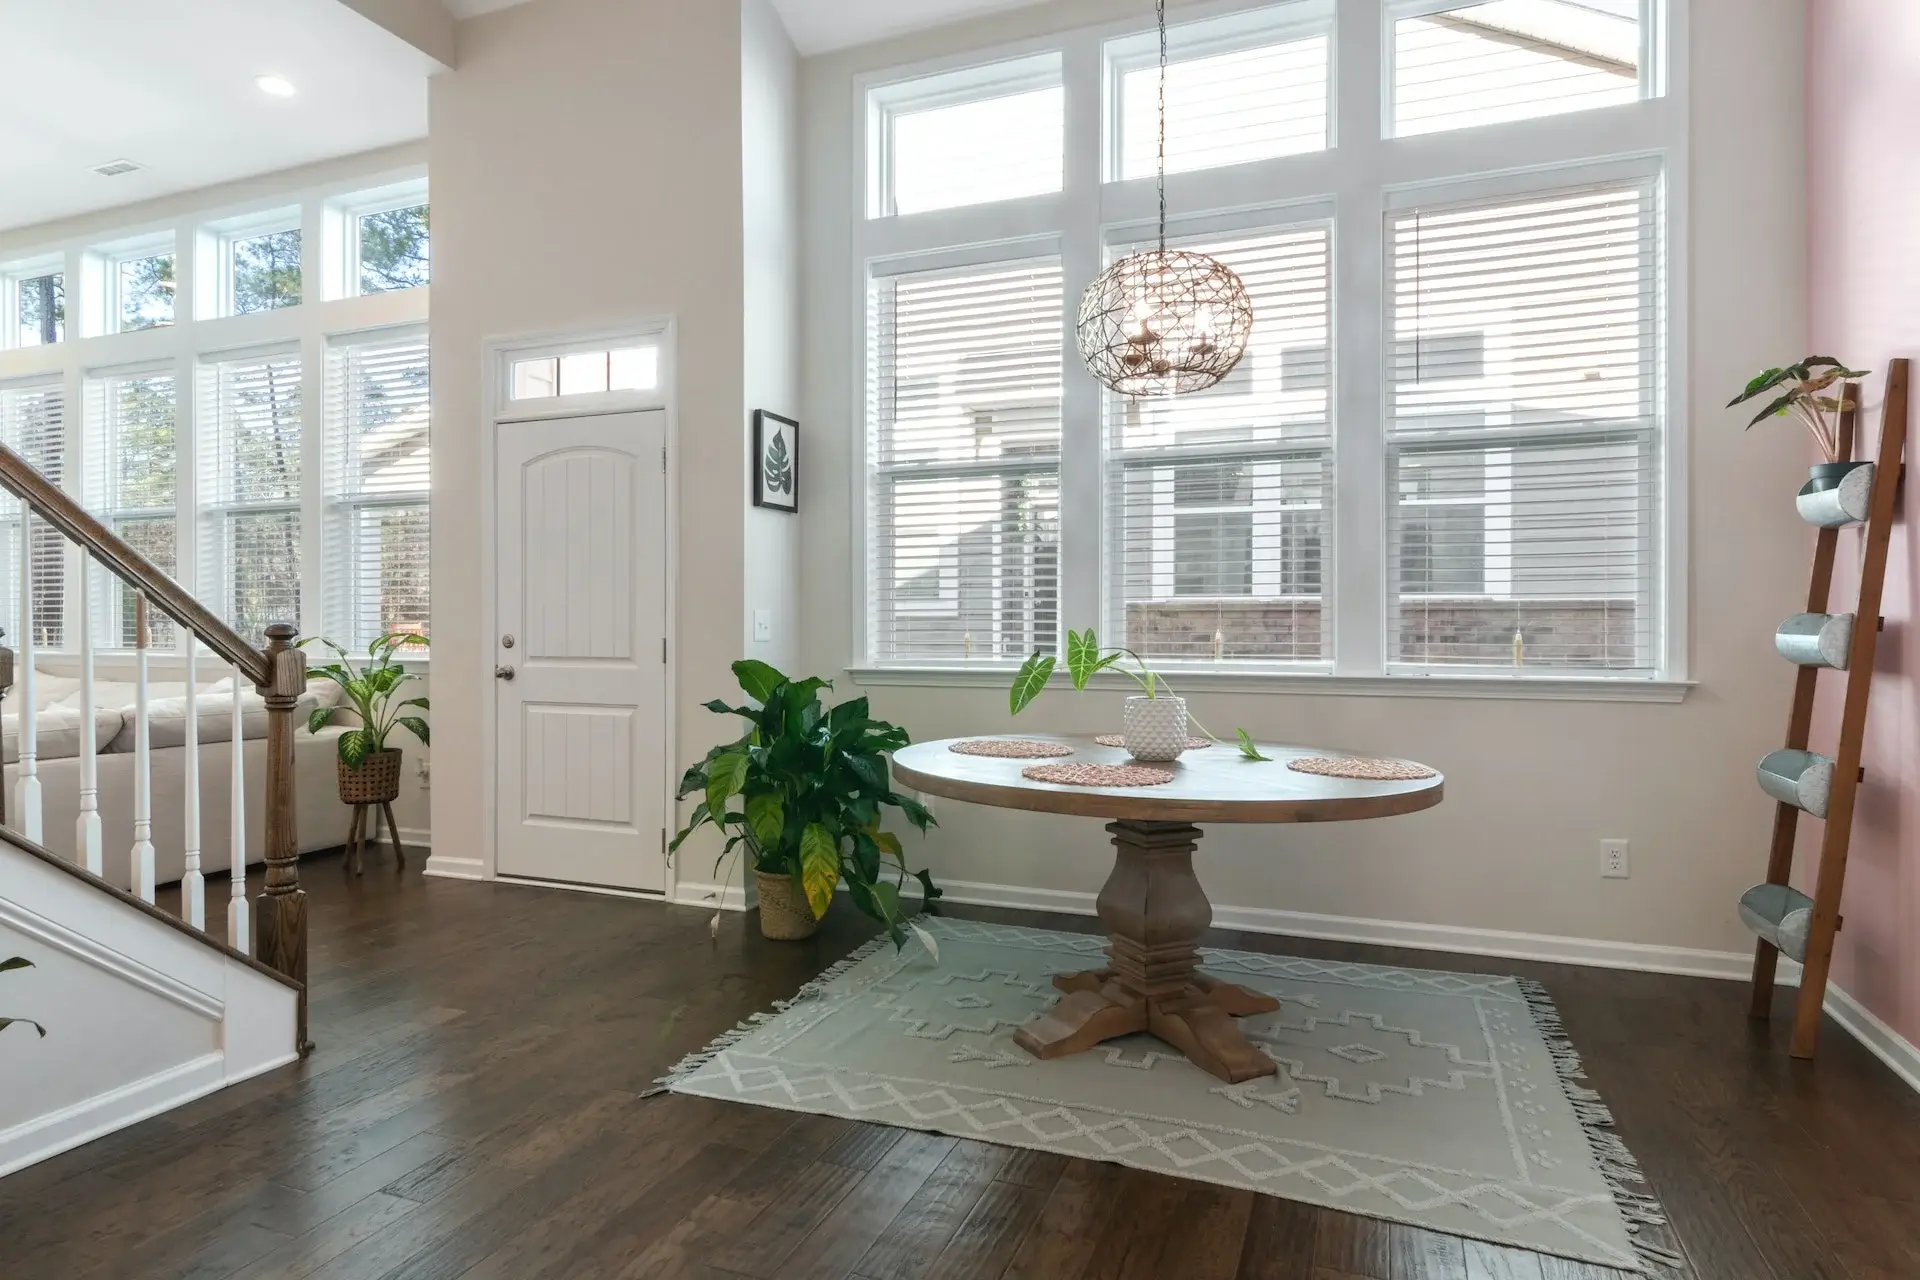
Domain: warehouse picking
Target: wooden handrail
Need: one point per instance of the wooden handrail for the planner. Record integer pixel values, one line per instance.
(53, 505)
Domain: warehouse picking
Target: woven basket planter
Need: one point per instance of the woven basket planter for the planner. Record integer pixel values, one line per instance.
(376, 781)
(785, 915)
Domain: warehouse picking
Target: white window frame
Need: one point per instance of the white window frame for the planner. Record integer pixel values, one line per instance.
(217, 240)
(108, 260)
(342, 235)
(103, 496)
(12, 276)
(978, 82)
(1361, 173)
(199, 336)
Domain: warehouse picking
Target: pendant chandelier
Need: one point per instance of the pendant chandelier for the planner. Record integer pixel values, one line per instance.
(1168, 321)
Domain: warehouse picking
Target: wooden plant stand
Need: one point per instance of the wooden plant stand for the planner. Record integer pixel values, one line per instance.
(1889, 471)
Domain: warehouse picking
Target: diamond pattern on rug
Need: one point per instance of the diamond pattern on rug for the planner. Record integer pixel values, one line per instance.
(1430, 1098)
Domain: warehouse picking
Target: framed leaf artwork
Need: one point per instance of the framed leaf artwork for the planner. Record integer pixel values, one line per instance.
(776, 461)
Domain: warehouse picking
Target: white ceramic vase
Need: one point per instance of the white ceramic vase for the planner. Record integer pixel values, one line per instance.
(1156, 727)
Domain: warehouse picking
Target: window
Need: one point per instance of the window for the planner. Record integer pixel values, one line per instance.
(250, 490)
(1525, 471)
(264, 271)
(1218, 500)
(964, 431)
(39, 305)
(143, 289)
(577, 373)
(1238, 89)
(970, 137)
(1446, 449)
(376, 487)
(1489, 61)
(33, 424)
(132, 486)
(392, 249)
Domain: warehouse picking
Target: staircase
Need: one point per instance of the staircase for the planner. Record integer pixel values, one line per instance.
(143, 1010)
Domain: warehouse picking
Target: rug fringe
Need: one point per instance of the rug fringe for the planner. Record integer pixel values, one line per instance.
(820, 982)
(1639, 1207)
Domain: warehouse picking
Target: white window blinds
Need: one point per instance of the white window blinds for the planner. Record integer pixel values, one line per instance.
(377, 480)
(1217, 519)
(963, 452)
(1525, 431)
(1488, 61)
(33, 425)
(132, 479)
(249, 463)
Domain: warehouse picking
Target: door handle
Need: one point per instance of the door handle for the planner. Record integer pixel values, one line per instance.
(503, 673)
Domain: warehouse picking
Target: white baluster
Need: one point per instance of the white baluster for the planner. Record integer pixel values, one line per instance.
(142, 760)
(237, 927)
(193, 885)
(86, 827)
(26, 797)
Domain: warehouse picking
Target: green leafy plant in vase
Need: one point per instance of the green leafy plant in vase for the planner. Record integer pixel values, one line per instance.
(370, 688)
(1812, 393)
(804, 791)
(19, 962)
(1156, 719)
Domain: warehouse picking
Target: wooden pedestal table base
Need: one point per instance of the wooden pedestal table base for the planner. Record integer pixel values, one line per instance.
(1155, 913)
(1152, 906)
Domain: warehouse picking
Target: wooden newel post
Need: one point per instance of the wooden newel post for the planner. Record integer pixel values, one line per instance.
(280, 917)
(6, 687)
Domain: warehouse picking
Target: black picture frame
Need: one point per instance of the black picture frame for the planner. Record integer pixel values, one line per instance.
(785, 437)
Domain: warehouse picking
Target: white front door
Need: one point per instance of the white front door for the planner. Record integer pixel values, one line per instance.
(580, 658)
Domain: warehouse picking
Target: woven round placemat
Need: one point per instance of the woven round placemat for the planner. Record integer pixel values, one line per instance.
(1011, 748)
(1364, 768)
(1120, 740)
(1097, 775)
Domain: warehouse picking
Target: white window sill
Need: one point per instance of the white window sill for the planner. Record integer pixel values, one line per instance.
(1522, 689)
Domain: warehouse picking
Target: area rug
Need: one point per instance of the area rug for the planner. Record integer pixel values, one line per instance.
(1444, 1100)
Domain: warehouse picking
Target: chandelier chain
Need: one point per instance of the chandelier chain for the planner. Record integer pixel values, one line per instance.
(1160, 13)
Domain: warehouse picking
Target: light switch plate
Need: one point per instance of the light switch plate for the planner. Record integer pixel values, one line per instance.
(762, 625)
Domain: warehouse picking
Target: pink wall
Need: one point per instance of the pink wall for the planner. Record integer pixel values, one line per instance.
(1863, 176)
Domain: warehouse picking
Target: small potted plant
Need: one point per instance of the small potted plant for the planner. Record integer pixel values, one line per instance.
(19, 962)
(369, 769)
(803, 792)
(1809, 392)
(1155, 719)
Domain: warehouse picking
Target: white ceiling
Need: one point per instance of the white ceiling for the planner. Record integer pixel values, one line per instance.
(820, 26)
(169, 85)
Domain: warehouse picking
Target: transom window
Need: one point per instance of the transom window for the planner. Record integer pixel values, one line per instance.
(1445, 449)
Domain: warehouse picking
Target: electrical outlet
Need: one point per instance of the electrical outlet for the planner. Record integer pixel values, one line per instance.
(1615, 863)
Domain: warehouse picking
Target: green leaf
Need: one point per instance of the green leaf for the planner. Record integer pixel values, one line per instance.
(1765, 381)
(1083, 653)
(890, 844)
(1032, 678)
(870, 769)
(417, 702)
(701, 816)
(916, 812)
(417, 727)
(318, 720)
(7, 1022)
(866, 858)
(849, 717)
(15, 962)
(819, 867)
(1247, 749)
(725, 776)
(930, 893)
(767, 816)
(354, 745)
(926, 940)
(1777, 407)
(757, 678)
(694, 779)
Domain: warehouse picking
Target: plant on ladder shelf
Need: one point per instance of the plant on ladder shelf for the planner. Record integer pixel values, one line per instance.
(370, 769)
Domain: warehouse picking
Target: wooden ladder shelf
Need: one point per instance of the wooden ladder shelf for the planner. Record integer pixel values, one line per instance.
(1818, 918)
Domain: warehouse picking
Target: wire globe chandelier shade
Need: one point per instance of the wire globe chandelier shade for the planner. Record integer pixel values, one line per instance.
(1165, 322)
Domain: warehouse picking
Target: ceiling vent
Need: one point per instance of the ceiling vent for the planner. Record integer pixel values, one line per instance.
(114, 168)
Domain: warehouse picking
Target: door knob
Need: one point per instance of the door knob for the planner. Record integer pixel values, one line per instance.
(503, 673)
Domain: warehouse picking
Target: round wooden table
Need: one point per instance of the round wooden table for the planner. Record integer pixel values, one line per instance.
(1152, 905)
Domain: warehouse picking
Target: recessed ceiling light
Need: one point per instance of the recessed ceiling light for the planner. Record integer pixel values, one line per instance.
(277, 86)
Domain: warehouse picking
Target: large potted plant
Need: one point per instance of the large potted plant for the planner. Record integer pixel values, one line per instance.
(369, 769)
(804, 791)
(19, 962)
(1837, 488)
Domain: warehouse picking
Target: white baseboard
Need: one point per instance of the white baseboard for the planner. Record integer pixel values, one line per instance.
(1394, 933)
(416, 837)
(731, 897)
(442, 864)
(1863, 1024)
(45, 1136)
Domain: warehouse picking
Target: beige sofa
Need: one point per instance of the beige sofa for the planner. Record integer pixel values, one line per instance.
(321, 820)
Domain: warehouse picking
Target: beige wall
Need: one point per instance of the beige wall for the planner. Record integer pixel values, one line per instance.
(1531, 786)
(586, 171)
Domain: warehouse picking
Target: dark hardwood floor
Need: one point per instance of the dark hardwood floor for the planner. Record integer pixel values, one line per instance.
(471, 1110)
